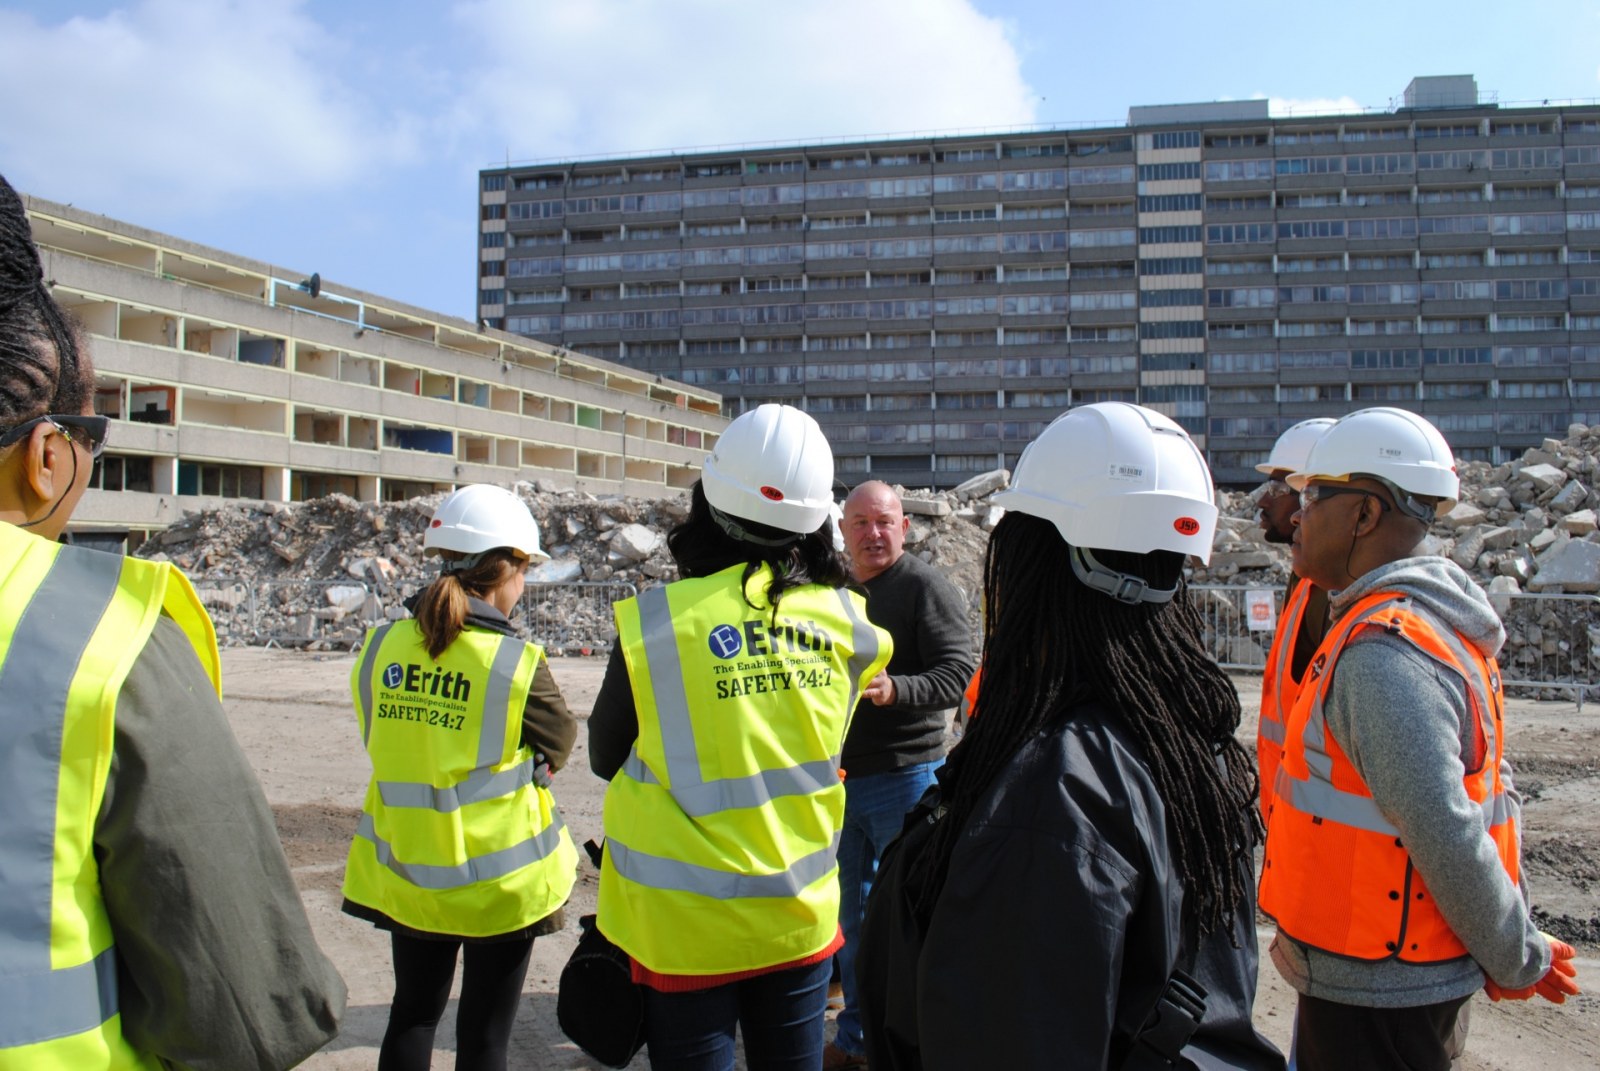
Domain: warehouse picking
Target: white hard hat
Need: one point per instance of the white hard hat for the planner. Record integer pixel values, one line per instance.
(1289, 453)
(772, 466)
(1115, 476)
(480, 518)
(1392, 445)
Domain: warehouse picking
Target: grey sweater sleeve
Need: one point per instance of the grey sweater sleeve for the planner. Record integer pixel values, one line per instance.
(217, 965)
(1399, 718)
(944, 644)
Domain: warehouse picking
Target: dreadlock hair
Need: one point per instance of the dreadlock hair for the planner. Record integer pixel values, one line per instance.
(42, 369)
(441, 609)
(700, 547)
(1050, 644)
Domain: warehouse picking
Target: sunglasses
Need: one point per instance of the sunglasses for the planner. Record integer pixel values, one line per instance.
(1318, 492)
(89, 431)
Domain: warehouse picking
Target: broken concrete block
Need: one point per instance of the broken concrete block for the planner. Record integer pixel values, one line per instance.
(1570, 498)
(1469, 545)
(556, 571)
(635, 542)
(1465, 515)
(924, 507)
(1542, 476)
(346, 598)
(986, 483)
(1573, 567)
(1580, 523)
(992, 518)
(1501, 588)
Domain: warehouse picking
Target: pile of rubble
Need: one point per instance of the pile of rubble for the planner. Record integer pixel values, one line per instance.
(317, 573)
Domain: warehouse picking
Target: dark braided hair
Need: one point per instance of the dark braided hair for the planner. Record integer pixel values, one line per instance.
(41, 367)
(1050, 644)
(701, 547)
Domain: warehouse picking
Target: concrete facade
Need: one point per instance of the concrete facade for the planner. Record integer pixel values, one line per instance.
(935, 302)
(227, 378)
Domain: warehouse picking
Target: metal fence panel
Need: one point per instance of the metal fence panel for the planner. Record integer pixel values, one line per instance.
(231, 602)
(1552, 644)
(1552, 641)
(575, 617)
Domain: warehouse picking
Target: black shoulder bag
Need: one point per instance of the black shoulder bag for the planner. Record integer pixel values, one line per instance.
(598, 1004)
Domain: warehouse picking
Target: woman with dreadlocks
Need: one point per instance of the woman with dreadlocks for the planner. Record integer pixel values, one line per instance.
(1079, 894)
(151, 919)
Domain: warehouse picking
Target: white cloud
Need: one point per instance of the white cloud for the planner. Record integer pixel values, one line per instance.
(1289, 107)
(606, 76)
(177, 103)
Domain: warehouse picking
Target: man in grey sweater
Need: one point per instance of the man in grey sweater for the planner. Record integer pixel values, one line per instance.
(1392, 850)
(896, 739)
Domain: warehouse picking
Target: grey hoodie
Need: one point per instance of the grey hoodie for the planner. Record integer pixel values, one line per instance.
(1400, 719)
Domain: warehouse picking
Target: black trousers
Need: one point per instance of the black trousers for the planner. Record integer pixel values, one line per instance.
(1342, 1037)
(491, 987)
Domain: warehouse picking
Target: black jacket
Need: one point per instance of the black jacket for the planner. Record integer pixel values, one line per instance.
(1057, 928)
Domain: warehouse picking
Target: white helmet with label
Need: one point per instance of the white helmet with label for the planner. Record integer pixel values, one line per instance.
(1289, 453)
(1392, 445)
(1116, 476)
(482, 517)
(772, 466)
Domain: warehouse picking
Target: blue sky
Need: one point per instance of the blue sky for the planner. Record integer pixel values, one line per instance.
(345, 136)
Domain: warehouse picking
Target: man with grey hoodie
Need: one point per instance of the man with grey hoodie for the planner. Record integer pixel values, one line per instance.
(1392, 860)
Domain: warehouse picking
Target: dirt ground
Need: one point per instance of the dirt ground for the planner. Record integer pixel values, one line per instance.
(292, 713)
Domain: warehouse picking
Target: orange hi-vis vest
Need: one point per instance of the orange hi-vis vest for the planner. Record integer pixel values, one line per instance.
(1279, 690)
(1337, 876)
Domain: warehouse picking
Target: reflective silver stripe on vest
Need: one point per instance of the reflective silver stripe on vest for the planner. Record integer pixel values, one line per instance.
(36, 1002)
(1319, 798)
(478, 786)
(1272, 731)
(863, 645)
(484, 782)
(731, 793)
(657, 872)
(364, 678)
(488, 867)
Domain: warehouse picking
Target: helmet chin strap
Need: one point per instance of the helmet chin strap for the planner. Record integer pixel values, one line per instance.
(739, 532)
(1120, 586)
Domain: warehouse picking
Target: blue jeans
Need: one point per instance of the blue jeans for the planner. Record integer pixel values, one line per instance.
(875, 807)
(781, 1015)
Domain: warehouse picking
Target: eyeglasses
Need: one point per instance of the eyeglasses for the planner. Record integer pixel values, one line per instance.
(1271, 489)
(1317, 492)
(89, 431)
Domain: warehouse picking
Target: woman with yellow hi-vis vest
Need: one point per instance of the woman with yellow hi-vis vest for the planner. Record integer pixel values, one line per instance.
(140, 870)
(460, 844)
(719, 724)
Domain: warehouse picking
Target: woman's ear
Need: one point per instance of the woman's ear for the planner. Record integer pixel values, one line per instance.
(46, 468)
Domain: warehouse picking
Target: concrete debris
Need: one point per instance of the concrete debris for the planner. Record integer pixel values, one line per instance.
(1526, 525)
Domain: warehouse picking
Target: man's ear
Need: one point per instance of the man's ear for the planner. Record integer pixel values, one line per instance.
(1364, 524)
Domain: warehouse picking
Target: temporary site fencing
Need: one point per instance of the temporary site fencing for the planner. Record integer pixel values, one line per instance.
(1552, 641)
(566, 618)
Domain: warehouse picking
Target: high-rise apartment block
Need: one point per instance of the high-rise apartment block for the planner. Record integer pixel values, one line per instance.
(935, 302)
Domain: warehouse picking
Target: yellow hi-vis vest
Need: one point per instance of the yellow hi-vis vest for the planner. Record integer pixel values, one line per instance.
(455, 837)
(72, 623)
(722, 827)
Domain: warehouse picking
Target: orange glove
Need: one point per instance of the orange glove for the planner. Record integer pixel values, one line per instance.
(1558, 983)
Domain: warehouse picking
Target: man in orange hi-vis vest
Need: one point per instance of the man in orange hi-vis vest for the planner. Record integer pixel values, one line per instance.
(1305, 606)
(1391, 864)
